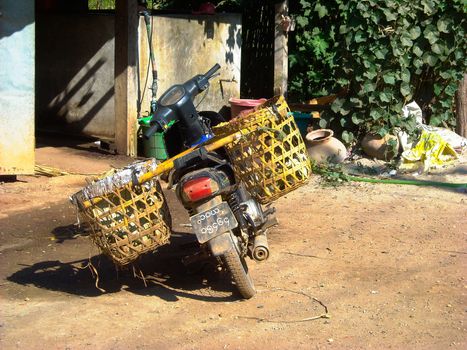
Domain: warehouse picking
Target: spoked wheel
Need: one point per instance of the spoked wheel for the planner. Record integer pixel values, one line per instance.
(239, 270)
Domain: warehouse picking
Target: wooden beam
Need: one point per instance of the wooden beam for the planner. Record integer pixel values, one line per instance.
(280, 50)
(126, 46)
(461, 108)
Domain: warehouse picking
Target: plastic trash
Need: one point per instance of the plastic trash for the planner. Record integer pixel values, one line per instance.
(413, 110)
(431, 151)
(410, 110)
(455, 140)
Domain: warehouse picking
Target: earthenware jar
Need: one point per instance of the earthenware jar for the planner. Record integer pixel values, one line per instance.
(323, 147)
(383, 148)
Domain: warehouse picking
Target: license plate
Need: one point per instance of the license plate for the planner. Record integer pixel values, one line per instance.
(213, 222)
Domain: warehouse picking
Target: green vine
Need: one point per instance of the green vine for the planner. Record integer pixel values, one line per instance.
(383, 54)
(330, 174)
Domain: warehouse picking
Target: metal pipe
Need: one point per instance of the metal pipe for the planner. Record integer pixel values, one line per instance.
(260, 248)
(147, 20)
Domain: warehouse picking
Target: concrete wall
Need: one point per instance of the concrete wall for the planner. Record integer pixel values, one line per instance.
(75, 74)
(75, 65)
(17, 30)
(187, 45)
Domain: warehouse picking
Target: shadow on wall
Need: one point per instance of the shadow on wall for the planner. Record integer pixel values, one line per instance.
(234, 34)
(235, 38)
(75, 65)
(75, 73)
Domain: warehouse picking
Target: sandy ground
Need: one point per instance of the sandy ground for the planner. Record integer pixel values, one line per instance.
(388, 262)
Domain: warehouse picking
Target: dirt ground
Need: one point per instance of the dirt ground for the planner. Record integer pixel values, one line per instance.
(388, 262)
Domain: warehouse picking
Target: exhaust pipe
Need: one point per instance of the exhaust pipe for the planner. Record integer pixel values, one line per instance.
(260, 248)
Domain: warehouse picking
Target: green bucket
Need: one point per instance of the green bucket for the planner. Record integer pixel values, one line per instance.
(154, 147)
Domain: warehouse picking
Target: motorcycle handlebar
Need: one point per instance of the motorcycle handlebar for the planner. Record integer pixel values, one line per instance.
(200, 82)
(152, 130)
(213, 70)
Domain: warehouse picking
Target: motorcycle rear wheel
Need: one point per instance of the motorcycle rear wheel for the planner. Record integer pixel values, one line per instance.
(239, 271)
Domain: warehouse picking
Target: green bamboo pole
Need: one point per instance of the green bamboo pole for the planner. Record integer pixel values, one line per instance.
(409, 182)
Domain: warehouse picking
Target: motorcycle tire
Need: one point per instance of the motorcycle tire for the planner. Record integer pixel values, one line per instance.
(239, 271)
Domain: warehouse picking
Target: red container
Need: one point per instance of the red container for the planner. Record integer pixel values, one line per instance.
(238, 105)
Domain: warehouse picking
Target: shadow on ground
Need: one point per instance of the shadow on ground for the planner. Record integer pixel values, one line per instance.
(72, 231)
(165, 275)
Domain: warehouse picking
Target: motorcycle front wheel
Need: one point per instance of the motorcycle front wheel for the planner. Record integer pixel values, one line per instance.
(239, 271)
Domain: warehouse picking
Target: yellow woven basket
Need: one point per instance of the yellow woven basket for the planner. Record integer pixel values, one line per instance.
(126, 220)
(271, 158)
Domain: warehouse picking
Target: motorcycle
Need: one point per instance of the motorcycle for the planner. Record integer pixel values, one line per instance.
(228, 223)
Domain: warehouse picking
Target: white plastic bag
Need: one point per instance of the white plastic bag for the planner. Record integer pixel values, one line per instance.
(413, 110)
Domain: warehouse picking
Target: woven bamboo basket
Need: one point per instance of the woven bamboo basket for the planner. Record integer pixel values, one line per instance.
(271, 158)
(126, 220)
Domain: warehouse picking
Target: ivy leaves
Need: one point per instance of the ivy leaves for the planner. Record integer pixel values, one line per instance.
(321, 10)
(384, 53)
(311, 51)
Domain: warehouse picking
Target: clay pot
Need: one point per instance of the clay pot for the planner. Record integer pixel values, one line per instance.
(322, 147)
(378, 147)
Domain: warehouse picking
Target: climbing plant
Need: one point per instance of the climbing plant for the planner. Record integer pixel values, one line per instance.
(384, 54)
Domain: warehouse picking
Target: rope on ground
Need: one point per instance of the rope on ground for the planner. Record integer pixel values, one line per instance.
(306, 255)
(312, 318)
(93, 273)
(139, 274)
